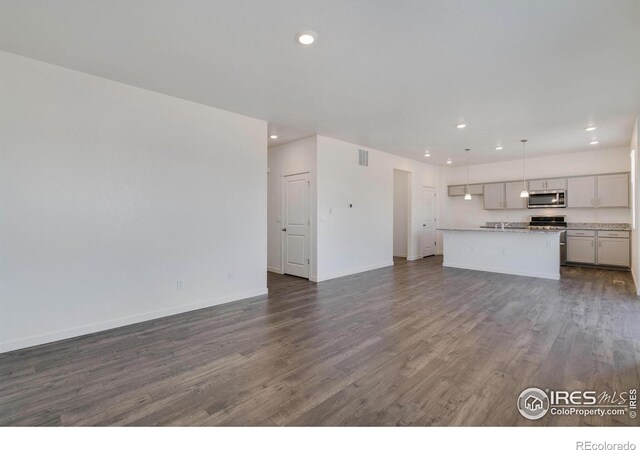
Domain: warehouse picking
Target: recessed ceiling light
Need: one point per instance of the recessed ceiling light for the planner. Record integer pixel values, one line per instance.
(449, 161)
(594, 142)
(307, 37)
(590, 128)
(499, 147)
(273, 136)
(427, 154)
(461, 125)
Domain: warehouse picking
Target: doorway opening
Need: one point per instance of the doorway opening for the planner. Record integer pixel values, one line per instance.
(401, 213)
(429, 208)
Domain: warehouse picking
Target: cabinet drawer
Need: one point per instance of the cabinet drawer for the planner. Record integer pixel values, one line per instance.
(581, 233)
(614, 234)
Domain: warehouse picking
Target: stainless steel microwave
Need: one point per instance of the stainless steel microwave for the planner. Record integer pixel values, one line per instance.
(547, 199)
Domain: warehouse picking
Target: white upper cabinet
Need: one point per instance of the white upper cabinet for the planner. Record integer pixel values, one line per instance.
(512, 196)
(592, 191)
(613, 190)
(550, 184)
(494, 196)
(581, 192)
(460, 190)
(536, 185)
(455, 191)
(556, 183)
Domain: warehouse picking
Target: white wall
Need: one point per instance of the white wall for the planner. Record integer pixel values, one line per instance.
(110, 194)
(352, 240)
(289, 159)
(401, 203)
(635, 198)
(460, 212)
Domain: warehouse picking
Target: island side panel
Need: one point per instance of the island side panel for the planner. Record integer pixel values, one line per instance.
(528, 254)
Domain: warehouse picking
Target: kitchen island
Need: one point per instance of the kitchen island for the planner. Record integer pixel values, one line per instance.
(515, 251)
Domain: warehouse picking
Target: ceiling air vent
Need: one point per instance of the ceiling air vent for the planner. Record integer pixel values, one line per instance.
(363, 157)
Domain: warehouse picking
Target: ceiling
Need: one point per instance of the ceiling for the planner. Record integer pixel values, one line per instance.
(396, 76)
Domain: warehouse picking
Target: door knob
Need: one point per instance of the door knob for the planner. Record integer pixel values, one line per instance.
(284, 229)
(424, 224)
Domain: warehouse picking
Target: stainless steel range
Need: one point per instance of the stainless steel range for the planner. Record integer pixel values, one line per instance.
(552, 223)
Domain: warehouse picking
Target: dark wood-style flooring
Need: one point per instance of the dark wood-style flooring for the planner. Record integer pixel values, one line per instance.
(415, 344)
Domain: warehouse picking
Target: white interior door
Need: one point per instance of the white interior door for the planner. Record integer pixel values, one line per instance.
(295, 225)
(429, 208)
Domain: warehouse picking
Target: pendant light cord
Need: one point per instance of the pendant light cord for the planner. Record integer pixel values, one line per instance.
(524, 178)
(467, 189)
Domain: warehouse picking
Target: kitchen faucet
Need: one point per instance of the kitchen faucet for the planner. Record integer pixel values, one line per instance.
(505, 224)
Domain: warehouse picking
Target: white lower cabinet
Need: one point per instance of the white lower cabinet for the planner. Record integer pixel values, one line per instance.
(613, 251)
(607, 248)
(581, 249)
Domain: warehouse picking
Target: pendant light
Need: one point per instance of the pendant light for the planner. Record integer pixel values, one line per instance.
(467, 194)
(524, 193)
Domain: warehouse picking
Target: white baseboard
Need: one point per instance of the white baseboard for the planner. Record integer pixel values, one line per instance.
(399, 255)
(46, 338)
(548, 276)
(635, 282)
(417, 257)
(274, 270)
(345, 273)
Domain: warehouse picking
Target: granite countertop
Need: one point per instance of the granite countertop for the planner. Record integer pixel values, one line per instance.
(605, 226)
(599, 226)
(500, 230)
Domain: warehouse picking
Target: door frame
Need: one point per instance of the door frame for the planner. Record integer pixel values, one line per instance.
(283, 198)
(409, 175)
(435, 219)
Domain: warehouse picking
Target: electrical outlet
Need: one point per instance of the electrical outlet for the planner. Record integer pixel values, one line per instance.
(179, 285)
